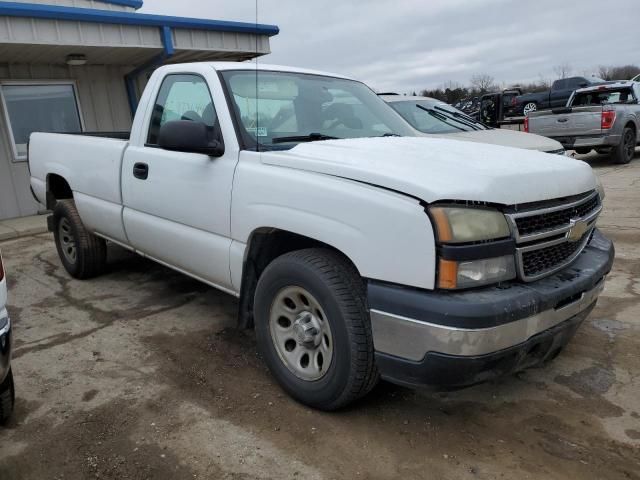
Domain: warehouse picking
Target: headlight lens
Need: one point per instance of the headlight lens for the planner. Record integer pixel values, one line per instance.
(462, 225)
(457, 225)
(476, 273)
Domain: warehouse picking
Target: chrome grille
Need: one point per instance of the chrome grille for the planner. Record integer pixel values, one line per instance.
(550, 238)
(554, 219)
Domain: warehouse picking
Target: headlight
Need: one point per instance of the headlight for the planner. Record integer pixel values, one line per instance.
(482, 230)
(476, 273)
(463, 225)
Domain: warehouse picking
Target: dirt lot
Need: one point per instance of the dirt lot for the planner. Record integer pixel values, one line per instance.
(140, 374)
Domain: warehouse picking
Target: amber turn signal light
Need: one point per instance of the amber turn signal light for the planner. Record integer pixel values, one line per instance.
(447, 274)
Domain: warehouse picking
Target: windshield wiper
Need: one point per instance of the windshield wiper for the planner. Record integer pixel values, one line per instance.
(312, 137)
(459, 117)
(390, 135)
(441, 117)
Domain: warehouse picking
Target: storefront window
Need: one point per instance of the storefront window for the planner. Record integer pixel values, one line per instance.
(39, 108)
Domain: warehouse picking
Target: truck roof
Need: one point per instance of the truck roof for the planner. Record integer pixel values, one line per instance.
(222, 66)
(607, 86)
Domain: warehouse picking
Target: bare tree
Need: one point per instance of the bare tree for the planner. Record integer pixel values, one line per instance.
(563, 70)
(544, 82)
(604, 72)
(482, 82)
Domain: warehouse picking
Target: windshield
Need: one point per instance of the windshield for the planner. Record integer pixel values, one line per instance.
(604, 97)
(290, 108)
(435, 117)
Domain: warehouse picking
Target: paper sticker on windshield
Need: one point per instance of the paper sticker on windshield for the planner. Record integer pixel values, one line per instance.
(260, 131)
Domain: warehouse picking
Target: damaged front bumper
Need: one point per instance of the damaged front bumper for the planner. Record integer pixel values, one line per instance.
(455, 339)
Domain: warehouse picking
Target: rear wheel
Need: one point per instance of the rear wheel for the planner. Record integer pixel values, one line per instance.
(313, 328)
(625, 151)
(7, 398)
(529, 107)
(83, 254)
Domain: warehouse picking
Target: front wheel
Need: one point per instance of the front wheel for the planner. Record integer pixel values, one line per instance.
(625, 151)
(313, 328)
(529, 108)
(83, 254)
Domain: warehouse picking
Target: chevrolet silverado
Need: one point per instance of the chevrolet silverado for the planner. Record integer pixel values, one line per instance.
(356, 250)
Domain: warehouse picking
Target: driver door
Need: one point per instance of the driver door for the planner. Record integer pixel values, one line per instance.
(177, 204)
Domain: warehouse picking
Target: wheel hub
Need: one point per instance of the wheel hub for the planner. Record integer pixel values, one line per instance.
(307, 330)
(301, 333)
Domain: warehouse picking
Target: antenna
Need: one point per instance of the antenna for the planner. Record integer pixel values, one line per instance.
(257, 103)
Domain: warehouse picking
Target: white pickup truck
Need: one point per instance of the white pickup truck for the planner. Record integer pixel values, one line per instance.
(355, 251)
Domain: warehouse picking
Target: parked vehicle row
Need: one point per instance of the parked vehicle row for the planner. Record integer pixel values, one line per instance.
(357, 249)
(557, 96)
(602, 117)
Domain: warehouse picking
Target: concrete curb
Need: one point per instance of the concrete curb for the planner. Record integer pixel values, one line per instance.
(22, 227)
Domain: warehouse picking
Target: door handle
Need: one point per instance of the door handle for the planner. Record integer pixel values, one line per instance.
(141, 171)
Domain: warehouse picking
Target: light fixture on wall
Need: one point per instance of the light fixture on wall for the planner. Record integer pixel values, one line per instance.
(76, 59)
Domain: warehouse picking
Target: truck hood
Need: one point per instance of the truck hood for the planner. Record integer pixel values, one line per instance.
(506, 138)
(434, 169)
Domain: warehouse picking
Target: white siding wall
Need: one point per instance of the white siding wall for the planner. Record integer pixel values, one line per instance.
(103, 101)
(80, 4)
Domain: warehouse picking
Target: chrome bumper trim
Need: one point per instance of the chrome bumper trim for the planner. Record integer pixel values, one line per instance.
(412, 339)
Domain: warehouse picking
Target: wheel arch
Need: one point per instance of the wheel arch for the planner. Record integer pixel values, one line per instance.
(265, 244)
(58, 188)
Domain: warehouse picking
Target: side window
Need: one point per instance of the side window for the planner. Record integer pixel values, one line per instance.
(559, 85)
(575, 83)
(181, 97)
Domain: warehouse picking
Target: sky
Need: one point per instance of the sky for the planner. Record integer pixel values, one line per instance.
(410, 45)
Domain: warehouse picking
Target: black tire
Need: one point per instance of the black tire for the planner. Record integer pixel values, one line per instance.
(89, 257)
(340, 291)
(7, 398)
(624, 152)
(582, 151)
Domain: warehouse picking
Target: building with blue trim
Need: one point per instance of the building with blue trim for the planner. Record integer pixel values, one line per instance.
(81, 65)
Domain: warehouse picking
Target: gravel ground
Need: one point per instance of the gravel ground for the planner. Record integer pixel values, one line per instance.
(141, 374)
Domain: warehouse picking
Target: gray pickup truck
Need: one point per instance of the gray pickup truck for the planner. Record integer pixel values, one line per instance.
(602, 117)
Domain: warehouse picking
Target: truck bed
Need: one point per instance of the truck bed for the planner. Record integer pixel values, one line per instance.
(567, 122)
(91, 165)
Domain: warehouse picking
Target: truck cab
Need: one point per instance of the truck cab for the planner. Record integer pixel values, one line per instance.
(356, 248)
(557, 96)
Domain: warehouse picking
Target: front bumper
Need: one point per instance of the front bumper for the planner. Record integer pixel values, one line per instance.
(5, 344)
(454, 339)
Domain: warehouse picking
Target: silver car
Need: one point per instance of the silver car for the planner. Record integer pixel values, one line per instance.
(431, 117)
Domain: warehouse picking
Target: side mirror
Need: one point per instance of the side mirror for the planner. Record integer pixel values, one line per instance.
(189, 136)
(584, 84)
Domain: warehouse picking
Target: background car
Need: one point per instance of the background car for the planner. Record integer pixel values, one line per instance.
(560, 92)
(7, 392)
(432, 117)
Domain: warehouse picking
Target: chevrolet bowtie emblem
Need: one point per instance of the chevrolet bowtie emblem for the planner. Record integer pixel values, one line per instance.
(577, 230)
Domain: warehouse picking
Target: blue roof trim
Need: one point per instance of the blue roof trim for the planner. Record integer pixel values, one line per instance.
(12, 9)
(167, 40)
(124, 3)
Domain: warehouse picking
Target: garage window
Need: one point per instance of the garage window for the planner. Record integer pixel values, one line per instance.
(39, 108)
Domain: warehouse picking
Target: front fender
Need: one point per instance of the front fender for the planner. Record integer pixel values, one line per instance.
(386, 235)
